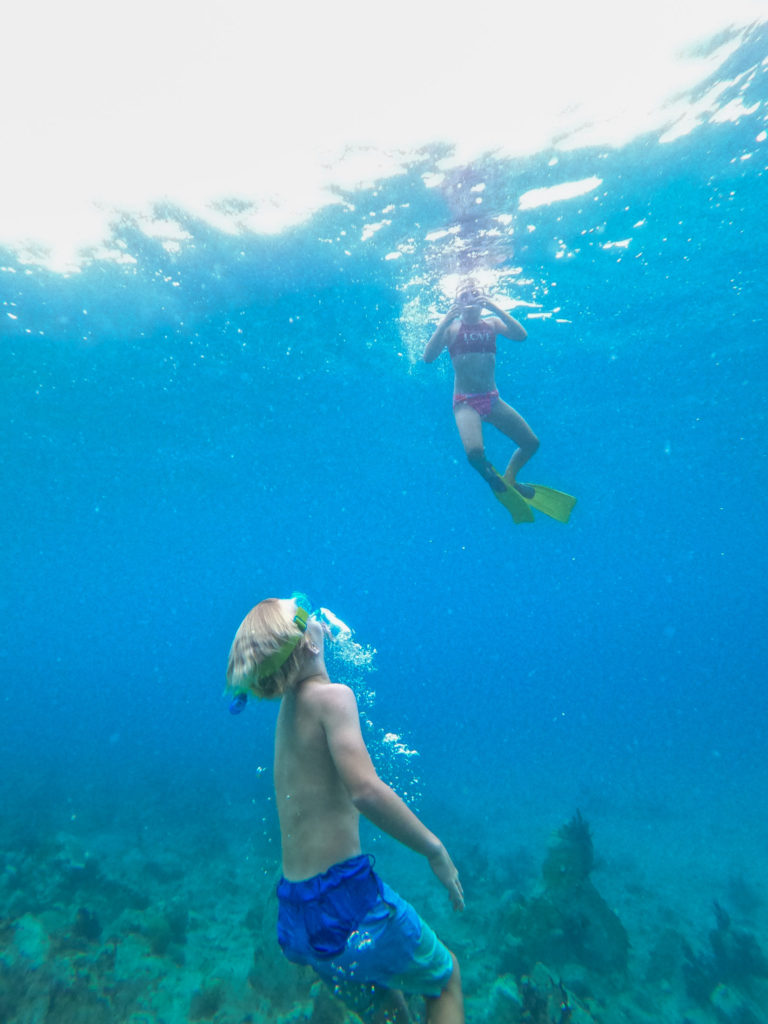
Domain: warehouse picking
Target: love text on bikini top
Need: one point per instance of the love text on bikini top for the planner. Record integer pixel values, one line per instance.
(479, 337)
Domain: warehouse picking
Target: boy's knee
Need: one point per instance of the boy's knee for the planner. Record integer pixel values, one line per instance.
(452, 985)
(455, 978)
(451, 990)
(533, 444)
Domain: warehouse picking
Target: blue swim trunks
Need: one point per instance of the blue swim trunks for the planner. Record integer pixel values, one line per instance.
(355, 931)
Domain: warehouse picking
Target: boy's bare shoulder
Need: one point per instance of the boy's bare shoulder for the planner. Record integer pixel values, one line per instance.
(323, 695)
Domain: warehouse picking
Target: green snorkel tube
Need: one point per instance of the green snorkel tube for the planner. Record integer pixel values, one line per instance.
(271, 664)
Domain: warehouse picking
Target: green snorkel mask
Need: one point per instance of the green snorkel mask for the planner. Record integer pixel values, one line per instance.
(271, 664)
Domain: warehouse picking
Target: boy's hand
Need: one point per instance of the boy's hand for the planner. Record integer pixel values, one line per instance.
(446, 872)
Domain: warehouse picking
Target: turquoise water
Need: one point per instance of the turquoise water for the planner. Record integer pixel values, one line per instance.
(200, 425)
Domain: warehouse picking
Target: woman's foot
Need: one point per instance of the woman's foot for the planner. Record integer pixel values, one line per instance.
(525, 489)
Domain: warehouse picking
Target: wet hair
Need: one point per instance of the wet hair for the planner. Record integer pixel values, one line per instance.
(467, 284)
(264, 630)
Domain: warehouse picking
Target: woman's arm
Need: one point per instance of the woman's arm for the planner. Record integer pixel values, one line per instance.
(437, 342)
(508, 326)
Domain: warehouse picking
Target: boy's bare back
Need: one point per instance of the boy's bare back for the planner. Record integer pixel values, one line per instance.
(319, 823)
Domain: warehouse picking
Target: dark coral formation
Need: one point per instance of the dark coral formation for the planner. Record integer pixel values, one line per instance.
(569, 922)
(736, 960)
(570, 857)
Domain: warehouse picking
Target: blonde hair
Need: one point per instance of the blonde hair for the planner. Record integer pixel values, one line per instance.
(262, 633)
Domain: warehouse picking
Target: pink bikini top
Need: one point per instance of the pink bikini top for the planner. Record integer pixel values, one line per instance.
(479, 337)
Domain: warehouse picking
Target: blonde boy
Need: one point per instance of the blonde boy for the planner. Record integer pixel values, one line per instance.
(335, 913)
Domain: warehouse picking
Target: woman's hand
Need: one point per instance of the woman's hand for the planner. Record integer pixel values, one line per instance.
(486, 302)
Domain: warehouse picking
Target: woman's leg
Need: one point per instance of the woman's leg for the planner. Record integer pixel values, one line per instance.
(470, 428)
(511, 423)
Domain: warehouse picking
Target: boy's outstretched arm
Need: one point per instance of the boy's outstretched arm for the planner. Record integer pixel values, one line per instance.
(373, 798)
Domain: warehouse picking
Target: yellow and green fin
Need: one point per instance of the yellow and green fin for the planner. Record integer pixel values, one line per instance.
(552, 503)
(514, 503)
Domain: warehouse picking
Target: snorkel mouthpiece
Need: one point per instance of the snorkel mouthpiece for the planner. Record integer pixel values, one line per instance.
(332, 624)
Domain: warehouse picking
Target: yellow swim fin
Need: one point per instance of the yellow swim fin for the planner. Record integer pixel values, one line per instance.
(555, 504)
(514, 503)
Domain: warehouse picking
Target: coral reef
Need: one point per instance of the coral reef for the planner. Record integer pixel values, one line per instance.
(86, 925)
(730, 977)
(206, 1001)
(569, 921)
(106, 932)
(535, 998)
(570, 857)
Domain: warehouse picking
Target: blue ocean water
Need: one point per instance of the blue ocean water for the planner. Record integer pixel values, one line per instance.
(190, 431)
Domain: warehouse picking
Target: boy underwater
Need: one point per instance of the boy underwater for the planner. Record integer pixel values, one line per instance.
(471, 342)
(335, 913)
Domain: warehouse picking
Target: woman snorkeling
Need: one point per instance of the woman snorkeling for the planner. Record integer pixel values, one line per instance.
(471, 342)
